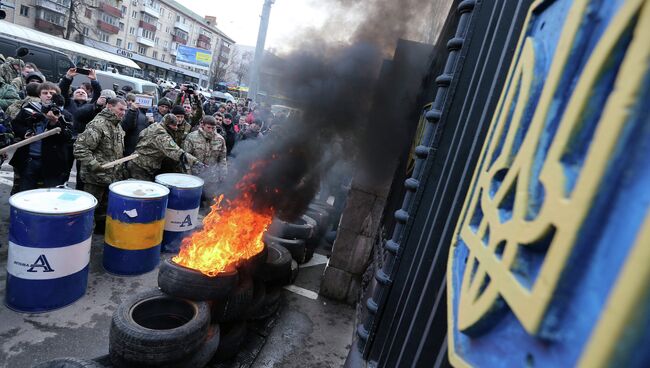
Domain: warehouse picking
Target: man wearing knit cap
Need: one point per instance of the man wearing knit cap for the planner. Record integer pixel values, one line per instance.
(164, 105)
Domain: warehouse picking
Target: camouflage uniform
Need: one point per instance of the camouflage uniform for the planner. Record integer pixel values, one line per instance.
(156, 144)
(100, 143)
(173, 166)
(209, 149)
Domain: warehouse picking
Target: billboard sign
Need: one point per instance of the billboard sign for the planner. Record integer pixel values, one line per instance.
(194, 57)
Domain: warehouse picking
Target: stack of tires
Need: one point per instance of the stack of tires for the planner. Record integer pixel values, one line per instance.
(196, 319)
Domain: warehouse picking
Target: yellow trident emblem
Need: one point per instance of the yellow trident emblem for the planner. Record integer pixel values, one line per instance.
(540, 170)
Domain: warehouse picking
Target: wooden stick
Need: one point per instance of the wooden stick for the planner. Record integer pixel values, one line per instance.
(31, 139)
(119, 161)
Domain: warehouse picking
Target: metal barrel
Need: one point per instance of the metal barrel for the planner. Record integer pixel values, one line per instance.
(135, 219)
(50, 232)
(182, 212)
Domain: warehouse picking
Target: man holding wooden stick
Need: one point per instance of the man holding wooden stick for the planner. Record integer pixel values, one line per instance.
(43, 162)
(102, 142)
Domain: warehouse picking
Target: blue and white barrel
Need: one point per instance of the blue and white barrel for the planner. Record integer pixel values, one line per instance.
(50, 231)
(135, 219)
(182, 209)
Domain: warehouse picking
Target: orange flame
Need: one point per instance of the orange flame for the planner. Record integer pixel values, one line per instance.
(231, 233)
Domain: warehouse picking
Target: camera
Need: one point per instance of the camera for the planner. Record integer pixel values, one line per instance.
(55, 110)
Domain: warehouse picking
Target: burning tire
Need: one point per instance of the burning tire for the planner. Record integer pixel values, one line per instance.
(302, 228)
(68, 363)
(277, 268)
(232, 336)
(187, 283)
(153, 329)
(253, 264)
(235, 305)
(295, 246)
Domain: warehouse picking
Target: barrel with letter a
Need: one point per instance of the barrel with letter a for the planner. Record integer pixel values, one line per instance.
(182, 209)
(135, 219)
(50, 233)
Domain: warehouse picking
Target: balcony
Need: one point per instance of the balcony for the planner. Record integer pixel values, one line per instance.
(151, 10)
(203, 45)
(145, 41)
(148, 26)
(55, 7)
(107, 27)
(204, 38)
(183, 27)
(181, 40)
(110, 10)
(49, 26)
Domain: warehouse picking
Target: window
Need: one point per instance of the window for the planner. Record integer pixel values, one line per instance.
(142, 50)
(102, 36)
(163, 57)
(129, 46)
(169, 16)
(89, 13)
(121, 26)
(132, 30)
(157, 41)
(108, 19)
(155, 54)
(134, 14)
(123, 10)
(162, 12)
(167, 30)
(118, 42)
(24, 11)
(147, 34)
(158, 25)
(166, 44)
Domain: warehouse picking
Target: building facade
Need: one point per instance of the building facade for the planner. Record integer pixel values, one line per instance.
(147, 31)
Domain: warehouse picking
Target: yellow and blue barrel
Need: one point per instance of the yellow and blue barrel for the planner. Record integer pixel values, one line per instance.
(182, 212)
(135, 219)
(50, 231)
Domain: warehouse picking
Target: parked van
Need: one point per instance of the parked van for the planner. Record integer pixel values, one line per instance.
(52, 63)
(109, 79)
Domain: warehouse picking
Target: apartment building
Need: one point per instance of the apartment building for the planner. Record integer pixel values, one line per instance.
(149, 32)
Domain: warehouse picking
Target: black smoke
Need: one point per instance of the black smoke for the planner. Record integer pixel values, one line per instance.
(351, 116)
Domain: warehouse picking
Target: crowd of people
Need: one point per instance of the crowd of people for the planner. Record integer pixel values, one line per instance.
(184, 133)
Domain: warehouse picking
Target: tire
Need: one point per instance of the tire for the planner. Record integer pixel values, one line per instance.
(321, 216)
(269, 306)
(302, 228)
(187, 283)
(235, 305)
(259, 299)
(277, 268)
(252, 266)
(309, 254)
(153, 329)
(295, 246)
(207, 351)
(232, 337)
(68, 363)
(323, 206)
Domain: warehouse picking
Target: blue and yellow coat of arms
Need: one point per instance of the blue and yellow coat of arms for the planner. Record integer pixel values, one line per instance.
(549, 263)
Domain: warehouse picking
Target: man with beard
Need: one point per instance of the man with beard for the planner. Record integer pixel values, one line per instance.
(155, 144)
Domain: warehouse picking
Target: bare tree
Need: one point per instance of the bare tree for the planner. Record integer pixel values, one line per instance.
(76, 13)
(242, 69)
(220, 70)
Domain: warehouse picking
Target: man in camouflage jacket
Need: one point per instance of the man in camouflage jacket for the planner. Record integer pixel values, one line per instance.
(101, 143)
(156, 144)
(208, 147)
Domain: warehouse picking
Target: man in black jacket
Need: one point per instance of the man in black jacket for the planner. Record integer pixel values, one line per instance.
(45, 162)
(135, 120)
(80, 96)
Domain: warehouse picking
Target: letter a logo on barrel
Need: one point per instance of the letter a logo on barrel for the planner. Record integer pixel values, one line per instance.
(41, 262)
(187, 221)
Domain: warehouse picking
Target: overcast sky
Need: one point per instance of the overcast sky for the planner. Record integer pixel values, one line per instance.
(240, 19)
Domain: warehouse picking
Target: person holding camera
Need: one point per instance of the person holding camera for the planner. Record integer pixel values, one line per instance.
(45, 162)
(79, 96)
(135, 121)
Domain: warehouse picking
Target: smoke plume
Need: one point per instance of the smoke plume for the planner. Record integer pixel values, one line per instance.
(348, 117)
